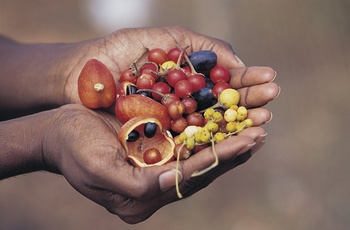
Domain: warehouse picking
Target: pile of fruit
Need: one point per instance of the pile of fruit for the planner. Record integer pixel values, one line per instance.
(172, 106)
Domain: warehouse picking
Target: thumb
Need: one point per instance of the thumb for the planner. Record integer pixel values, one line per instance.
(227, 56)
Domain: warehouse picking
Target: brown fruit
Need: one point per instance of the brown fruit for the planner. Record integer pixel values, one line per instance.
(96, 86)
(136, 105)
(135, 149)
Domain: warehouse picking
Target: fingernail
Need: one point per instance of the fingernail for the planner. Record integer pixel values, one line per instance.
(260, 143)
(239, 60)
(271, 116)
(279, 92)
(246, 148)
(167, 179)
(274, 77)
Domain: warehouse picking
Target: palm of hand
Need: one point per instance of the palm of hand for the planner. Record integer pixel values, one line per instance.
(120, 49)
(85, 149)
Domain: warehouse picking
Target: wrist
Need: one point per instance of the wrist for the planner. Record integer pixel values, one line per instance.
(21, 142)
(34, 75)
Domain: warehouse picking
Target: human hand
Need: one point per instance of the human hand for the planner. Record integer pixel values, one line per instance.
(118, 50)
(83, 146)
(39, 76)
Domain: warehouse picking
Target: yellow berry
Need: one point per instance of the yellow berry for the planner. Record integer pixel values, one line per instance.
(234, 107)
(229, 97)
(240, 126)
(242, 113)
(219, 136)
(190, 143)
(212, 126)
(231, 126)
(248, 122)
(241, 117)
(197, 137)
(217, 117)
(182, 137)
(168, 65)
(230, 115)
(190, 131)
(208, 113)
(205, 137)
(242, 110)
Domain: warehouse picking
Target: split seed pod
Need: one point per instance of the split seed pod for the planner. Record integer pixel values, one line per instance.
(135, 149)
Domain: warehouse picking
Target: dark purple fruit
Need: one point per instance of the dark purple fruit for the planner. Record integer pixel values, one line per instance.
(204, 98)
(203, 60)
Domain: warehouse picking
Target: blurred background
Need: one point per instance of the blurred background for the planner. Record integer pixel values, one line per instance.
(298, 180)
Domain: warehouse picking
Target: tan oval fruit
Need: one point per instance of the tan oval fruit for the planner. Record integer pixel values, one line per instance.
(96, 86)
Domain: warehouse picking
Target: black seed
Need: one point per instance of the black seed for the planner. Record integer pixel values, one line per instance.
(133, 136)
(144, 93)
(150, 129)
(131, 89)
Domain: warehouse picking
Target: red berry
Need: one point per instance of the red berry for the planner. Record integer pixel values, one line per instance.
(190, 105)
(157, 56)
(220, 74)
(150, 68)
(219, 87)
(145, 81)
(162, 88)
(174, 76)
(152, 156)
(174, 54)
(183, 89)
(197, 81)
(128, 75)
(178, 125)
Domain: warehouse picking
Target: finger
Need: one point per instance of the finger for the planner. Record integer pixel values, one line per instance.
(226, 150)
(259, 116)
(258, 95)
(225, 53)
(228, 159)
(139, 183)
(227, 56)
(259, 136)
(230, 155)
(255, 75)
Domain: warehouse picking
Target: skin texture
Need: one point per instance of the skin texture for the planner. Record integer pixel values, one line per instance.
(81, 144)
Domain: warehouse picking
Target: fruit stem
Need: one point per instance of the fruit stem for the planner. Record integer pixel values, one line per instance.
(235, 132)
(98, 87)
(181, 55)
(193, 70)
(179, 195)
(134, 69)
(215, 106)
(214, 164)
(133, 65)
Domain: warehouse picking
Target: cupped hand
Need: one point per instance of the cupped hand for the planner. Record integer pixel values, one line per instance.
(82, 145)
(120, 49)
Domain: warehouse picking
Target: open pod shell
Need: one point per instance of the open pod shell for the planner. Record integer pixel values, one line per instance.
(162, 141)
